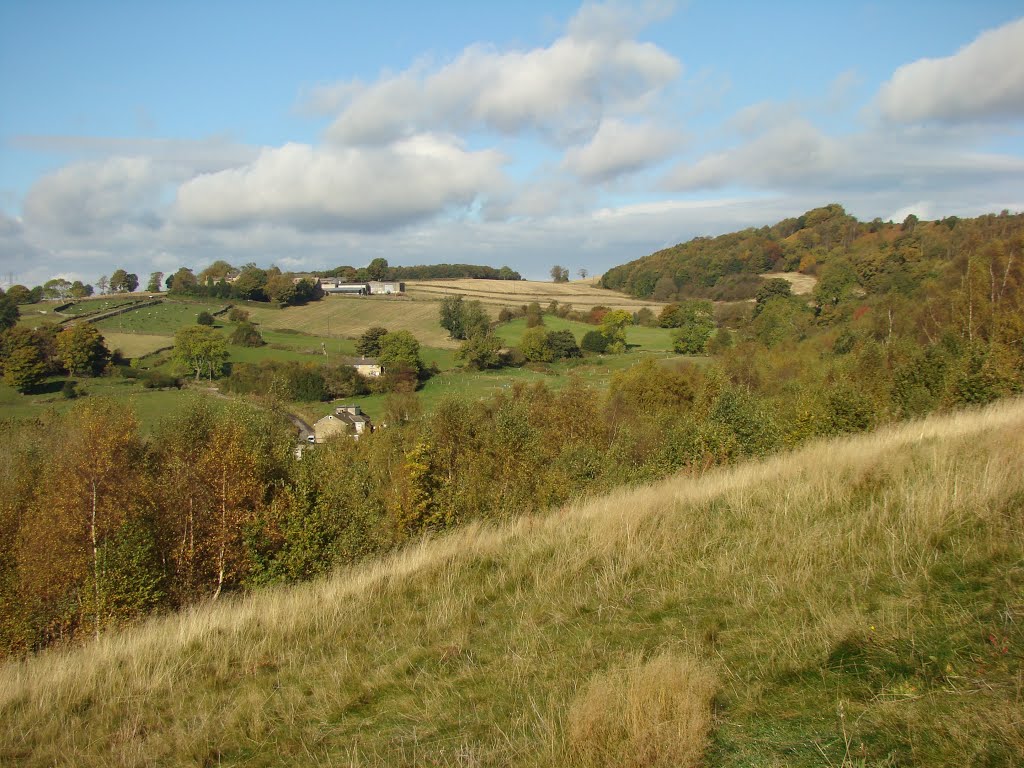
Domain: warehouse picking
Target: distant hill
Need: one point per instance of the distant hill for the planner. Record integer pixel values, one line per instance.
(883, 256)
(864, 610)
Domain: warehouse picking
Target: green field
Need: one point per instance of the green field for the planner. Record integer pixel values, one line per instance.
(149, 405)
(133, 345)
(158, 320)
(477, 385)
(649, 339)
(301, 334)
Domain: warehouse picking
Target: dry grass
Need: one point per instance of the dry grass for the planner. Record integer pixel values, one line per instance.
(350, 316)
(845, 595)
(800, 283)
(582, 294)
(652, 714)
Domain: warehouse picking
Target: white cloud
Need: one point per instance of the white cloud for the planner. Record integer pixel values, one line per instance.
(562, 90)
(84, 198)
(795, 155)
(983, 80)
(619, 147)
(360, 188)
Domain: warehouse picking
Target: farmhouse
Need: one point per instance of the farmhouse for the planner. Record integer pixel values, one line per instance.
(346, 420)
(365, 366)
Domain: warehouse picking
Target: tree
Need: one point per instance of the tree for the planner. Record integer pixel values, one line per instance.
(613, 325)
(201, 349)
(103, 284)
(182, 281)
(463, 319)
(217, 271)
(696, 324)
(582, 273)
(80, 290)
(594, 341)
(93, 491)
(247, 335)
(24, 368)
(400, 350)
(507, 273)
(57, 288)
(534, 316)
(563, 345)
(451, 316)
(281, 289)
(155, 279)
(204, 318)
(9, 312)
(251, 283)
(368, 344)
(664, 289)
(307, 290)
(81, 349)
(480, 351)
(123, 282)
(771, 289)
(534, 345)
(378, 269)
(559, 274)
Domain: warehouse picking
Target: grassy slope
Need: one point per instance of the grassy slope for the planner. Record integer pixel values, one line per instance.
(582, 294)
(855, 603)
(350, 316)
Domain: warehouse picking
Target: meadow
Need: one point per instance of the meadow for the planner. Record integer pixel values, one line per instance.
(149, 405)
(162, 319)
(857, 602)
(350, 316)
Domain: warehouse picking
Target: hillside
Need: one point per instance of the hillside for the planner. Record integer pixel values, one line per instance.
(878, 257)
(857, 602)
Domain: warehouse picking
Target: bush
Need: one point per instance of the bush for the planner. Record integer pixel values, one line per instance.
(563, 345)
(204, 318)
(70, 390)
(238, 315)
(247, 335)
(160, 380)
(594, 341)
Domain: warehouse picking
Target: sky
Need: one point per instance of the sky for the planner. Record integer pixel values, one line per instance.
(150, 136)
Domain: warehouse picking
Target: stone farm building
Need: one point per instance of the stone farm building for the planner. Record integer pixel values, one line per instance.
(346, 420)
(365, 366)
(369, 288)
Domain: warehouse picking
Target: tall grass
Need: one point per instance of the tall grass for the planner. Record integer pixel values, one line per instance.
(858, 602)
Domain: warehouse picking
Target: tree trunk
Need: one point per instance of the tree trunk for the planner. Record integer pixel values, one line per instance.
(95, 559)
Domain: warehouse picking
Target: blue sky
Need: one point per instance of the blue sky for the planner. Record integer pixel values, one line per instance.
(150, 136)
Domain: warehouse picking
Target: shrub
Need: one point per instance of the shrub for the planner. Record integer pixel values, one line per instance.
(238, 315)
(204, 318)
(594, 341)
(69, 390)
(563, 345)
(247, 335)
(160, 380)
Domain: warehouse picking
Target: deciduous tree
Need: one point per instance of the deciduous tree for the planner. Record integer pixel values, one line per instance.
(81, 349)
(201, 349)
